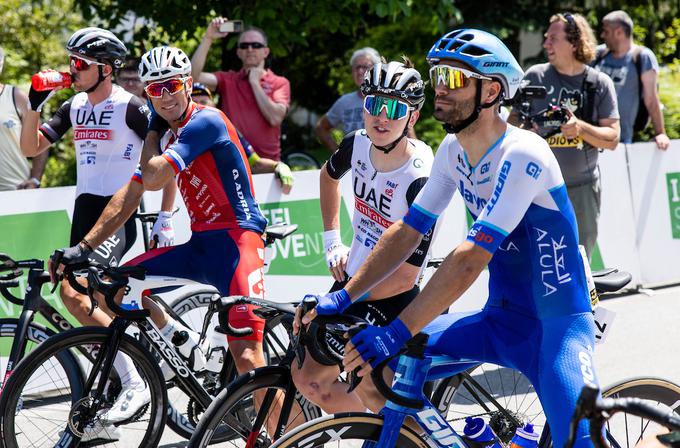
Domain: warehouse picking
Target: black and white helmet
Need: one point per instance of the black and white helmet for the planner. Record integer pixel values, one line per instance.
(164, 62)
(397, 80)
(98, 44)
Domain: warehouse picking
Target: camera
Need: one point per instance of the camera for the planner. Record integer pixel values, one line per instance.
(525, 95)
(232, 26)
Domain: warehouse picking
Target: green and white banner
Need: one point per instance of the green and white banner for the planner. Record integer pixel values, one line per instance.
(639, 227)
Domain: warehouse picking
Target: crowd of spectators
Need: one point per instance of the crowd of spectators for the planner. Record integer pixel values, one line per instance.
(604, 95)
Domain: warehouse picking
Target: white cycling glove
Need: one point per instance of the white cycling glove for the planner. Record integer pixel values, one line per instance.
(163, 232)
(335, 250)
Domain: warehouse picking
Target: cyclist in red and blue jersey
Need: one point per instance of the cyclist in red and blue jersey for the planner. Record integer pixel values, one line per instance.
(200, 147)
(538, 318)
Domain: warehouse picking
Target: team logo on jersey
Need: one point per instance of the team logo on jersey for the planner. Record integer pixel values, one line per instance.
(382, 203)
(92, 134)
(418, 163)
(83, 118)
(362, 165)
(533, 170)
(391, 184)
(470, 197)
(500, 183)
(9, 124)
(485, 168)
(551, 260)
(128, 151)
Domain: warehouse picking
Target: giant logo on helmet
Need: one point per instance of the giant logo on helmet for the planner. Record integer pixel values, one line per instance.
(495, 64)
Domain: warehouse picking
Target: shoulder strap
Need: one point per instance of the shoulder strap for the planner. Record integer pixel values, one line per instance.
(590, 87)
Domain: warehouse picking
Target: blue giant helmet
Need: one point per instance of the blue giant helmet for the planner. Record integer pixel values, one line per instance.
(483, 52)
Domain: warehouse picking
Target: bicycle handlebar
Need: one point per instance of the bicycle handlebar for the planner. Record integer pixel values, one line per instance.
(599, 410)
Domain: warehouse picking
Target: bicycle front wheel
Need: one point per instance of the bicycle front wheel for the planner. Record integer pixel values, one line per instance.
(626, 430)
(249, 407)
(340, 430)
(39, 404)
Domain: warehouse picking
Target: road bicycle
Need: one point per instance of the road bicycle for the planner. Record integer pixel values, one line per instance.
(189, 307)
(504, 396)
(406, 398)
(654, 417)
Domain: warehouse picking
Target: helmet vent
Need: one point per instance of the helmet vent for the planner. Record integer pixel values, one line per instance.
(474, 50)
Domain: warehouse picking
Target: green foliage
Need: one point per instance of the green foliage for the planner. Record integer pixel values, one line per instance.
(33, 36)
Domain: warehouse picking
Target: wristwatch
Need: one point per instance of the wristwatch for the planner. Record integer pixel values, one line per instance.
(35, 181)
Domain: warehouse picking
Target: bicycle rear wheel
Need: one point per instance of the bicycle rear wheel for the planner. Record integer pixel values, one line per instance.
(626, 430)
(184, 412)
(341, 430)
(504, 397)
(68, 364)
(39, 404)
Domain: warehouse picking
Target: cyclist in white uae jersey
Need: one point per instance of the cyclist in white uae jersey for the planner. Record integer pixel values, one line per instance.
(388, 171)
(109, 127)
(537, 318)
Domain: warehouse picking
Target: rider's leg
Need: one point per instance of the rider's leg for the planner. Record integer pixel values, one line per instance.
(79, 305)
(320, 384)
(564, 366)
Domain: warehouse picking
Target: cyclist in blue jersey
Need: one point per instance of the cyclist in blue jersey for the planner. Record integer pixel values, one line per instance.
(537, 318)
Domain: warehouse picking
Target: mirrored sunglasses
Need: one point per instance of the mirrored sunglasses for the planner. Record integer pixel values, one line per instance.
(452, 77)
(81, 64)
(172, 86)
(395, 109)
(253, 45)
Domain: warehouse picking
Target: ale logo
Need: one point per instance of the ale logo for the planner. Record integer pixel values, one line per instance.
(673, 184)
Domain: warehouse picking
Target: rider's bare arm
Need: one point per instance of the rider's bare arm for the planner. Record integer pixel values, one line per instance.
(392, 249)
(455, 275)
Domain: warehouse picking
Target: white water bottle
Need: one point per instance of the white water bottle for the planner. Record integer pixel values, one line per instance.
(217, 351)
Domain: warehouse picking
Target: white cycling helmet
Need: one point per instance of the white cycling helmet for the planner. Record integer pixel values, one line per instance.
(163, 62)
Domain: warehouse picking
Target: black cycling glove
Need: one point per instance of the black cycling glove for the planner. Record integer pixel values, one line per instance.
(37, 99)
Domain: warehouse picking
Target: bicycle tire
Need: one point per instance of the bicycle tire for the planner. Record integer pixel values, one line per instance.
(344, 427)
(657, 391)
(236, 400)
(51, 429)
(190, 308)
(300, 161)
(35, 335)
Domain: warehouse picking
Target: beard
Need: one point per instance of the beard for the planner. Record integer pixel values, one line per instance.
(454, 114)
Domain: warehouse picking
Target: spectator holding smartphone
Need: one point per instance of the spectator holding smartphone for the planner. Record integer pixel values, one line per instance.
(254, 98)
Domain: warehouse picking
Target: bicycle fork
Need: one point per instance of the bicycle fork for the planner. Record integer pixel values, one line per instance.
(85, 411)
(409, 379)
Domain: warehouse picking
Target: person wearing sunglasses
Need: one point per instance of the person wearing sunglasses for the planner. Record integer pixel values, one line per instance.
(109, 127)
(538, 317)
(200, 94)
(198, 147)
(588, 98)
(388, 171)
(254, 98)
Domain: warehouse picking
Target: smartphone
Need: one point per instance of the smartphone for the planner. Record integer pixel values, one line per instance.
(232, 26)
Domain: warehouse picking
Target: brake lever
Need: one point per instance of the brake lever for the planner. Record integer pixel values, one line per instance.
(353, 380)
(55, 261)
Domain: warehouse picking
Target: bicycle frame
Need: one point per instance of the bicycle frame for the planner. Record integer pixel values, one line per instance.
(410, 376)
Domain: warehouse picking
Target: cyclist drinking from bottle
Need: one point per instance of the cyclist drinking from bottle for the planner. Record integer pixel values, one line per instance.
(109, 126)
(388, 171)
(537, 318)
